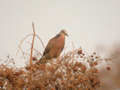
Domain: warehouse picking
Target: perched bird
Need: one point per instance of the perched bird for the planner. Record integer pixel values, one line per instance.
(54, 47)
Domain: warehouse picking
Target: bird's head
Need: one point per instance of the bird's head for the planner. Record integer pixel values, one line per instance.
(64, 32)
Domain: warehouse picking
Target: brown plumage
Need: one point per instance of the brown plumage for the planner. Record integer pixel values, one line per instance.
(54, 47)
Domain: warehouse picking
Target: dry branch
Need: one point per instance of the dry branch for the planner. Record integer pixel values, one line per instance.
(32, 44)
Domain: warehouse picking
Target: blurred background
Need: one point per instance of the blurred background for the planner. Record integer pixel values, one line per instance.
(89, 22)
(92, 24)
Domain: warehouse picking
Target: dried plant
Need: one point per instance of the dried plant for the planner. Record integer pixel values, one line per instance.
(73, 71)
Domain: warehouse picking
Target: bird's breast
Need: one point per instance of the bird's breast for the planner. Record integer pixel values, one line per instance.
(57, 47)
(60, 42)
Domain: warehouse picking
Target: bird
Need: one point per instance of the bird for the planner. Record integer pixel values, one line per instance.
(54, 47)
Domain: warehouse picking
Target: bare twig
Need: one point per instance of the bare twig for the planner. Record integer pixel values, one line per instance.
(20, 45)
(38, 52)
(40, 40)
(21, 42)
(32, 44)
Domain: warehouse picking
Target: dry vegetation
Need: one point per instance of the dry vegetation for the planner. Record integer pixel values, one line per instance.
(72, 71)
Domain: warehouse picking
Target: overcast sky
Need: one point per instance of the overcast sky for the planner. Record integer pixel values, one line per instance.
(88, 22)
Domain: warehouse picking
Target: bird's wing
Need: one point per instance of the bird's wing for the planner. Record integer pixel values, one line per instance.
(48, 47)
(50, 44)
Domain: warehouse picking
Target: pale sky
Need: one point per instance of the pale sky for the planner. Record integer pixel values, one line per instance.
(88, 22)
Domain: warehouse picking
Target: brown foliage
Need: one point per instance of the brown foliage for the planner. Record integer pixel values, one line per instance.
(68, 72)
